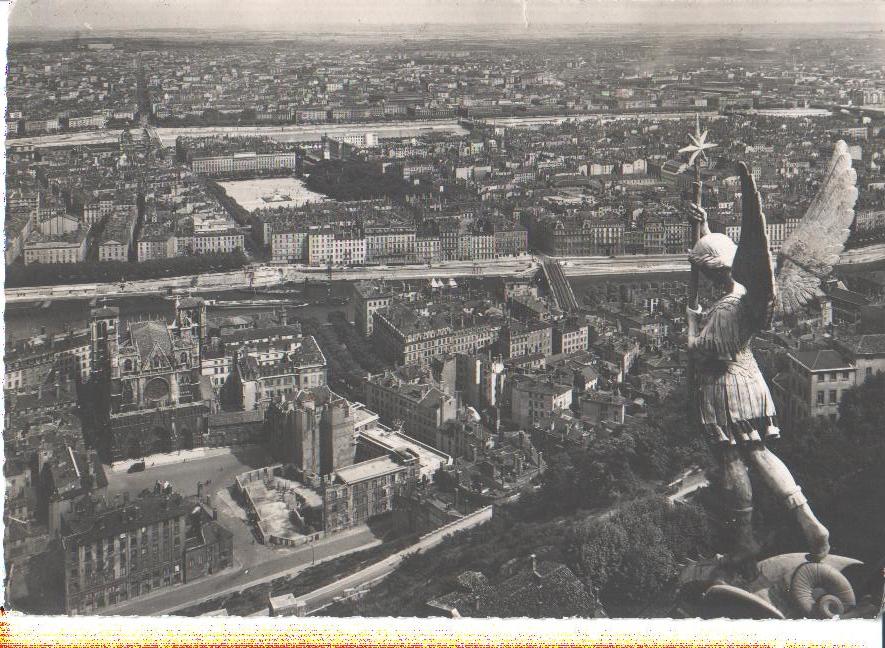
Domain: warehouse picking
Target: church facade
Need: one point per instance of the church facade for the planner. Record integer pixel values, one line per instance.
(147, 381)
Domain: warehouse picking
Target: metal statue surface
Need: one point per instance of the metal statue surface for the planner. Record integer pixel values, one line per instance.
(730, 397)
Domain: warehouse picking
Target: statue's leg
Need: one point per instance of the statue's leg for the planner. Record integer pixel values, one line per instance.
(738, 497)
(778, 478)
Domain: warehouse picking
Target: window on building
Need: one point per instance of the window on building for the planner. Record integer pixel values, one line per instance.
(820, 397)
(834, 396)
(821, 377)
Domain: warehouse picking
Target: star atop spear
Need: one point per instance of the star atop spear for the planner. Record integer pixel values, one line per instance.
(699, 144)
(697, 150)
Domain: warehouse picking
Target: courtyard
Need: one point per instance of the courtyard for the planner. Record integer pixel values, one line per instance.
(279, 503)
(252, 194)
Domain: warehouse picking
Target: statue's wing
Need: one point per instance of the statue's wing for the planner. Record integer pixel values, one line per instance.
(752, 265)
(813, 248)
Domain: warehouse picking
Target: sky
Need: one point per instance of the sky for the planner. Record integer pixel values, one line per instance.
(97, 15)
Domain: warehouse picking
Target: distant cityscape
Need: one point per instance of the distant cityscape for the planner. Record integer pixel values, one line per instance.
(280, 315)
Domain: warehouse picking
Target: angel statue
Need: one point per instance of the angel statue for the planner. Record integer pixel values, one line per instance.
(731, 400)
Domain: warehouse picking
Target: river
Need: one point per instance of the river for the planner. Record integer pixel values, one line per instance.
(25, 320)
(57, 316)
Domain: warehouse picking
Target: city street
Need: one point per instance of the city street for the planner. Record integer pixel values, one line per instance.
(273, 275)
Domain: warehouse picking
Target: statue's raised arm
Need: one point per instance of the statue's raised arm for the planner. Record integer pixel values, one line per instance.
(752, 267)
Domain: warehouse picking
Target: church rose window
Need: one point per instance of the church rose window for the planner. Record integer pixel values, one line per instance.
(156, 389)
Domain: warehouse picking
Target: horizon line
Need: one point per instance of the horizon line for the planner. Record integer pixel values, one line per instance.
(362, 26)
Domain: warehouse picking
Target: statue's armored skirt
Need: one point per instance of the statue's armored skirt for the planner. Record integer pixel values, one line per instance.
(733, 402)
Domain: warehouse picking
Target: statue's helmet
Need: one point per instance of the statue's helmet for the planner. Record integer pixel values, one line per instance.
(713, 252)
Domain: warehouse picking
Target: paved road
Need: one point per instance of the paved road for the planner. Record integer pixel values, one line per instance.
(272, 275)
(321, 598)
(168, 601)
(688, 486)
(632, 264)
(324, 596)
(865, 254)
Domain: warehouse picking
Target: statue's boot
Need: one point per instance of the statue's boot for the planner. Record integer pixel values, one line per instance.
(779, 479)
(816, 534)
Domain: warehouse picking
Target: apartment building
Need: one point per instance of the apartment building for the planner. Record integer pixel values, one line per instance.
(531, 400)
(406, 336)
(367, 489)
(113, 554)
(570, 336)
(813, 385)
(336, 247)
(288, 245)
(519, 339)
(70, 247)
(264, 372)
(419, 406)
(226, 241)
(369, 298)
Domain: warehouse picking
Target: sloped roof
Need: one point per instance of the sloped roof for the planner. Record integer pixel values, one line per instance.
(821, 360)
(147, 335)
(869, 344)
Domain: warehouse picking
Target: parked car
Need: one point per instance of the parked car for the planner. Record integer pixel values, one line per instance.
(138, 466)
